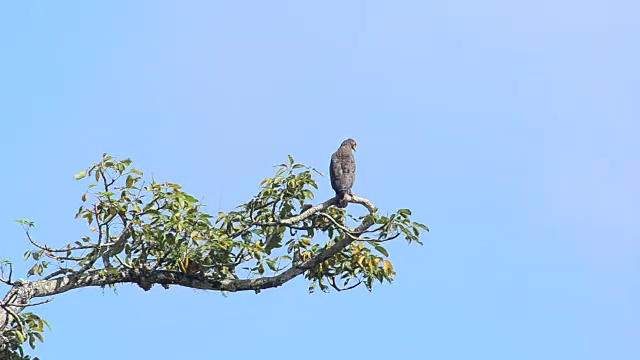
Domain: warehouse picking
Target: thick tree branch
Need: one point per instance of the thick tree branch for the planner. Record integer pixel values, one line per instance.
(23, 292)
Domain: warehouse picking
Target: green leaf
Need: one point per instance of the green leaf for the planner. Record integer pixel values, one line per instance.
(290, 158)
(39, 336)
(272, 264)
(80, 175)
(381, 250)
(280, 172)
(404, 212)
(190, 198)
(273, 241)
(20, 336)
(130, 181)
(308, 194)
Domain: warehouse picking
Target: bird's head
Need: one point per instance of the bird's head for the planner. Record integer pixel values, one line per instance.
(350, 143)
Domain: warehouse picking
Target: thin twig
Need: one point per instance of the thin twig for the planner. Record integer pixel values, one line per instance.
(26, 305)
(332, 282)
(8, 280)
(56, 273)
(344, 229)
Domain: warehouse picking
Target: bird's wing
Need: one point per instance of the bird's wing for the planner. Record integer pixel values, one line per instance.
(335, 171)
(349, 168)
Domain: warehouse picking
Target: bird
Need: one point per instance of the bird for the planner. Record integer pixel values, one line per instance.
(342, 171)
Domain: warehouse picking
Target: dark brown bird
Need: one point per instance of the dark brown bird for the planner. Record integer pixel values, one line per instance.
(342, 171)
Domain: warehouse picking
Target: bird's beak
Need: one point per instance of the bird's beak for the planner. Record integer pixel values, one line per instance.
(354, 147)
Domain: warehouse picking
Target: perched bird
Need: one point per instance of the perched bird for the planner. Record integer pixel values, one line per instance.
(342, 171)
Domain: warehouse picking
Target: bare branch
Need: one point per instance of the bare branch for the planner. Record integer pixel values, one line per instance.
(318, 208)
(56, 273)
(8, 280)
(382, 240)
(26, 305)
(338, 288)
(344, 229)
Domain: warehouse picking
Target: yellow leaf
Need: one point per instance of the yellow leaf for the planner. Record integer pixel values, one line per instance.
(184, 264)
(387, 266)
(93, 229)
(174, 186)
(265, 181)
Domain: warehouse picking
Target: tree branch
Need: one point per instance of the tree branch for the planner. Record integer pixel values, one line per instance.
(23, 292)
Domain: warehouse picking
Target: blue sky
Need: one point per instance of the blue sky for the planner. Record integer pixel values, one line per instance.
(509, 128)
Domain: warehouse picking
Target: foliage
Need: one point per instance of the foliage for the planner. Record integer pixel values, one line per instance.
(23, 328)
(135, 223)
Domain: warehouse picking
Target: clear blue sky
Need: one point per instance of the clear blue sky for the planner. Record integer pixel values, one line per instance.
(509, 128)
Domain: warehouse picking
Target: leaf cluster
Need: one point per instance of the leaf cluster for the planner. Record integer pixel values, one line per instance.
(23, 328)
(136, 223)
